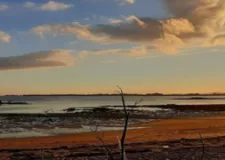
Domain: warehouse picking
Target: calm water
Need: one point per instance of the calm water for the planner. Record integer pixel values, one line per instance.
(56, 104)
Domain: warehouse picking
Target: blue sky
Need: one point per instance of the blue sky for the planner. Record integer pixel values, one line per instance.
(90, 46)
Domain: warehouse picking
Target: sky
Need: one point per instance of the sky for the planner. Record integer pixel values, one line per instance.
(91, 46)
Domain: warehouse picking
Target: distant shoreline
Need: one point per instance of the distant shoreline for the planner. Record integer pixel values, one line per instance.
(126, 94)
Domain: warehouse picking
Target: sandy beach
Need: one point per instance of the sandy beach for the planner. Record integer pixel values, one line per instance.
(157, 137)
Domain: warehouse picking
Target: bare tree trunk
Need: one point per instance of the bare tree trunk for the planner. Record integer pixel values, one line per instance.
(107, 150)
(126, 120)
(124, 137)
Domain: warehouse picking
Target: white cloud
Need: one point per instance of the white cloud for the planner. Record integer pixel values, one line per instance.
(130, 1)
(3, 7)
(195, 23)
(81, 31)
(123, 2)
(49, 6)
(55, 6)
(135, 19)
(29, 5)
(114, 21)
(43, 59)
(4, 37)
(128, 19)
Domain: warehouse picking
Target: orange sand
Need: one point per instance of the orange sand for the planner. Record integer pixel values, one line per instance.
(162, 130)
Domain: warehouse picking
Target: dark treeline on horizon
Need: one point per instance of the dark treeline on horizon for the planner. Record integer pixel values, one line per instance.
(127, 94)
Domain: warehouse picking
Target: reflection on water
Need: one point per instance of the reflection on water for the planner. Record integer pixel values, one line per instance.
(56, 104)
(38, 126)
(36, 132)
(140, 108)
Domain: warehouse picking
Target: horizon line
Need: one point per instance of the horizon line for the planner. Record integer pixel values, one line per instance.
(114, 94)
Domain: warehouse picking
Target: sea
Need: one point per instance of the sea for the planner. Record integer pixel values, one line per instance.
(56, 104)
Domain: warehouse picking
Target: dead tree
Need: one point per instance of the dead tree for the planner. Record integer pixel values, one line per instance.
(124, 132)
(126, 119)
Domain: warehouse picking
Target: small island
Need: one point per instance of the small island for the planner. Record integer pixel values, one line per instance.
(12, 103)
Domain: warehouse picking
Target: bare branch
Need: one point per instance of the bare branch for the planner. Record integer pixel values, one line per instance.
(123, 100)
(107, 150)
(203, 147)
(96, 129)
(137, 102)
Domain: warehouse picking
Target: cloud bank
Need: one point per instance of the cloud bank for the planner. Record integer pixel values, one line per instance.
(193, 23)
(43, 59)
(49, 6)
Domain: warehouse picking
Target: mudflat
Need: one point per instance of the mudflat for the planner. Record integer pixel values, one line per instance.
(155, 138)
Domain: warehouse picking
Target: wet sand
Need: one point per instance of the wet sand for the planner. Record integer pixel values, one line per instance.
(162, 130)
(184, 132)
(173, 134)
